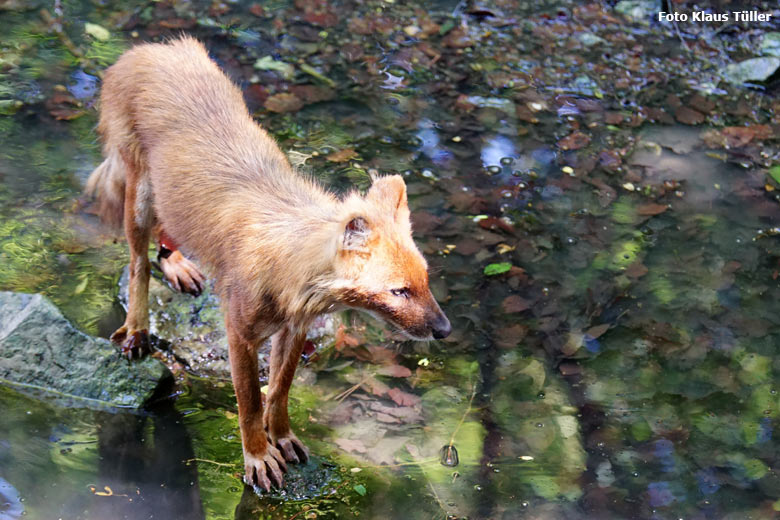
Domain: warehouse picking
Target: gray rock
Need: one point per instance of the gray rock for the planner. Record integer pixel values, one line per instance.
(40, 349)
(642, 11)
(770, 44)
(754, 69)
(195, 327)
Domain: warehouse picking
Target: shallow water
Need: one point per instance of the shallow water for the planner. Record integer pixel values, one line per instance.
(607, 254)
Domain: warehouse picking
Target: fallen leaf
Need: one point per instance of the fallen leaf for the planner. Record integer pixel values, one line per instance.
(598, 330)
(312, 93)
(341, 155)
(394, 371)
(387, 419)
(498, 268)
(402, 398)
(343, 339)
(648, 210)
(688, 116)
(467, 246)
(568, 368)
(407, 414)
(492, 223)
(283, 102)
(178, 23)
(574, 141)
(509, 337)
(257, 10)
(457, 38)
(636, 270)
(515, 303)
(377, 387)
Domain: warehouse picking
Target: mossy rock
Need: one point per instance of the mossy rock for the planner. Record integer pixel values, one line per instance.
(40, 349)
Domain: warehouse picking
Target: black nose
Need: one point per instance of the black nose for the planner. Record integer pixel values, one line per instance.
(441, 327)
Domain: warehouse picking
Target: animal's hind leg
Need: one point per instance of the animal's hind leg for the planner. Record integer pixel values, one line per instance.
(133, 336)
(182, 274)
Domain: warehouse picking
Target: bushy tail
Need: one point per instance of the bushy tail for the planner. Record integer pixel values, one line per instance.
(107, 186)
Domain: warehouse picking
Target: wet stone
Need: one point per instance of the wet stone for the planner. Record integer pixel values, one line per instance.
(40, 349)
(194, 329)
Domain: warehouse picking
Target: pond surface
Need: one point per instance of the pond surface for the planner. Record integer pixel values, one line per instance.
(599, 210)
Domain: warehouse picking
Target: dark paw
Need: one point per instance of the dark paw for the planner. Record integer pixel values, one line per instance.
(291, 448)
(263, 471)
(132, 344)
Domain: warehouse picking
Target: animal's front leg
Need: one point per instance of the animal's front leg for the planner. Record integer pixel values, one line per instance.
(263, 463)
(286, 348)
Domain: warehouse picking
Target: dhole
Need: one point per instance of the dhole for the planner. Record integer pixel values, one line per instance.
(185, 162)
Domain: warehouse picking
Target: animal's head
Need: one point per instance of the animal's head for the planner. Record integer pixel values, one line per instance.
(380, 268)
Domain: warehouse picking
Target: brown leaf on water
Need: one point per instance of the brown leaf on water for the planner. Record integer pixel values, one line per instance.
(688, 116)
(340, 156)
(457, 38)
(322, 19)
(468, 246)
(613, 118)
(574, 141)
(343, 339)
(467, 202)
(255, 95)
(312, 93)
(387, 419)
(178, 23)
(598, 330)
(406, 414)
(283, 102)
(493, 223)
(648, 210)
(380, 355)
(515, 303)
(424, 222)
(377, 387)
(509, 337)
(257, 10)
(568, 368)
(736, 136)
(402, 398)
(636, 270)
(394, 371)
(351, 445)
(701, 103)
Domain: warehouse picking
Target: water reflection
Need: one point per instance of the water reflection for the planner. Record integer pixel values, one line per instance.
(70, 463)
(144, 457)
(496, 148)
(430, 144)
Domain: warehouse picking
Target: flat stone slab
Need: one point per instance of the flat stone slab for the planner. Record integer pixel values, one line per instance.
(41, 349)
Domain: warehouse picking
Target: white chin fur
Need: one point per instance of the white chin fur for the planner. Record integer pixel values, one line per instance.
(429, 337)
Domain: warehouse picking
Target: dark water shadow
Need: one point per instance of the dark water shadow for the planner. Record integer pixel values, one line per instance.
(145, 458)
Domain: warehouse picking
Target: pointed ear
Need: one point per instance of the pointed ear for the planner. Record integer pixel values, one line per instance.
(356, 234)
(390, 191)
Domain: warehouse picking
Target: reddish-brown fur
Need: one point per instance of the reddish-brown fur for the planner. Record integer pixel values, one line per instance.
(183, 155)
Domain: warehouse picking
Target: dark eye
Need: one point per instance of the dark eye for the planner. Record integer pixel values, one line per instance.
(404, 293)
